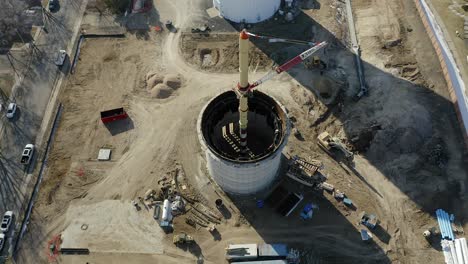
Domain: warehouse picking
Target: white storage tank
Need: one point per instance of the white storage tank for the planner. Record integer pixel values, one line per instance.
(233, 170)
(166, 212)
(249, 11)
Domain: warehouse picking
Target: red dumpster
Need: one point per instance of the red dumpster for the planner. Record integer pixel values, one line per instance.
(113, 115)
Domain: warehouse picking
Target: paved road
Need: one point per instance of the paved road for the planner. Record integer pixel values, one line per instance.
(32, 97)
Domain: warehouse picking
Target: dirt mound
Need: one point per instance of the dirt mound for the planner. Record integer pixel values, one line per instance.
(209, 57)
(161, 91)
(109, 56)
(219, 53)
(408, 140)
(173, 80)
(150, 74)
(435, 152)
(153, 81)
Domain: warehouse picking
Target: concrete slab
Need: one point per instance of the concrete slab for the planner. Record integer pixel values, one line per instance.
(111, 226)
(104, 154)
(212, 12)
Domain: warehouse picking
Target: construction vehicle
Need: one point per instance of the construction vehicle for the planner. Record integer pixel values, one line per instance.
(369, 220)
(182, 238)
(315, 63)
(329, 144)
(316, 60)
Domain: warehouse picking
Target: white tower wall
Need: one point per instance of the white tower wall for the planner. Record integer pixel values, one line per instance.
(250, 11)
(247, 177)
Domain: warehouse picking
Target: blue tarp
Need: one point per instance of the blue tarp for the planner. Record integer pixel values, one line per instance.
(364, 235)
(307, 208)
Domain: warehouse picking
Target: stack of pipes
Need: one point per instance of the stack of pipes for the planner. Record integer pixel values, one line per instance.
(455, 252)
(445, 224)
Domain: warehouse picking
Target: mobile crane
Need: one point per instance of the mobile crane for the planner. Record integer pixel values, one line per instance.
(244, 88)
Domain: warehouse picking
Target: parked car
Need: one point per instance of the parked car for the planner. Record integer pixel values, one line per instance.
(53, 4)
(2, 241)
(30, 12)
(28, 152)
(170, 26)
(11, 110)
(6, 221)
(62, 54)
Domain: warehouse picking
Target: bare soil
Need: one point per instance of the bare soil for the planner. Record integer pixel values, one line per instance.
(218, 52)
(7, 81)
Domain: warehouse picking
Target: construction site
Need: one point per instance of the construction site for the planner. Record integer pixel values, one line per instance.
(266, 131)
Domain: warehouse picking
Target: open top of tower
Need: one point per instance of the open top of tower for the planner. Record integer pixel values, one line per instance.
(268, 124)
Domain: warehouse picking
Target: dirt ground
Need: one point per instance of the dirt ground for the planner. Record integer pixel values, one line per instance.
(205, 52)
(452, 15)
(7, 81)
(408, 157)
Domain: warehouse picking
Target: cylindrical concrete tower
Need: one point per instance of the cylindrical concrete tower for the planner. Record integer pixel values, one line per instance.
(235, 170)
(249, 11)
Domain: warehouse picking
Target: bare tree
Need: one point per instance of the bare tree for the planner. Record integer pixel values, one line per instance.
(12, 26)
(117, 6)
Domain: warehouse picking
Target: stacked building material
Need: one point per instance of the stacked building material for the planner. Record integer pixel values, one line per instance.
(445, 225)
(465, 29)
(273, 250)
(455, 252)
(242, 252)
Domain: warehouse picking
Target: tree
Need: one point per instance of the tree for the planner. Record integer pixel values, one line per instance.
(117, 6)
(12, 27)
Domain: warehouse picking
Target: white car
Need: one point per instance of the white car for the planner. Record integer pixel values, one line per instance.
(62, 54)
(2, 241)
(11, 110)
(6, 221)
(27, 154)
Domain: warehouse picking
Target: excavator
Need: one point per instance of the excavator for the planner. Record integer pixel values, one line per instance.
(182, 238)
(330, 144)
